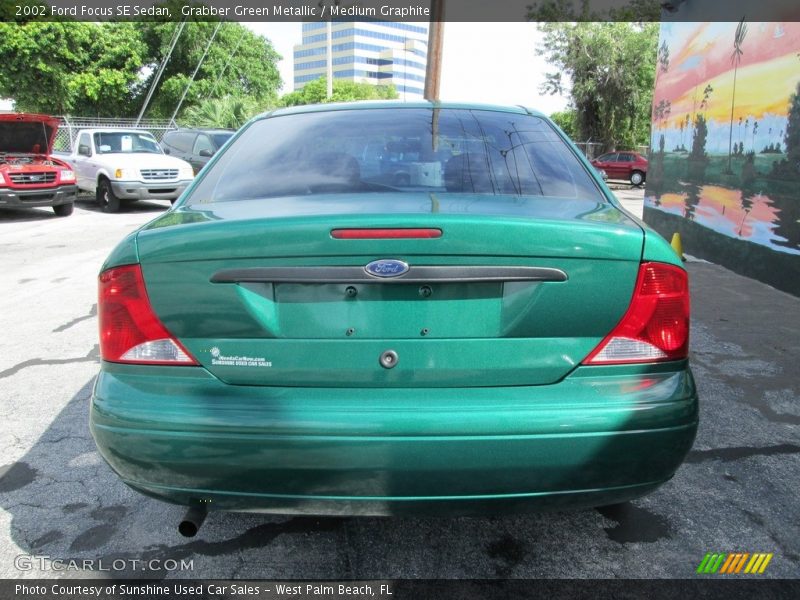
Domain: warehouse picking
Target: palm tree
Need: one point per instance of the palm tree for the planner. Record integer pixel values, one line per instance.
(755, 130)
(228, 112)
(739, 131)
(736, 58)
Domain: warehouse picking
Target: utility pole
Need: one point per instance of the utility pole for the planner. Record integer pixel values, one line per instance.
(176, 34)
(329, 61)
(329, 92)
(433, 70)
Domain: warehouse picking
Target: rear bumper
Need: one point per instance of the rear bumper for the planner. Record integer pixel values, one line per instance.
(13, 198)
(603, 435)
(136, 190)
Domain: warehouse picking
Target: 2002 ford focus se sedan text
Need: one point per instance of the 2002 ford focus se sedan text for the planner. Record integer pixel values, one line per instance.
(395, 308)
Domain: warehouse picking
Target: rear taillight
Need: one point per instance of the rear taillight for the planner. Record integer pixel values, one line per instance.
(656, 326)
(130, 332)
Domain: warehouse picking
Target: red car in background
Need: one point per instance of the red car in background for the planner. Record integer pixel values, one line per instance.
(623, 165)
(29, 175)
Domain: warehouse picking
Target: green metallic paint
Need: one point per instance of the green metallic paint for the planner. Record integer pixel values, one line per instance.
(428, 362)
(291, 449)
(393, 105)
(440, 506)
(486, 334)
(550, 228)
(124, 253)
(469, 436)
(657, 249)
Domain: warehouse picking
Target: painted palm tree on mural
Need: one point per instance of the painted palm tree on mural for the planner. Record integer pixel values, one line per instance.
(736, 58)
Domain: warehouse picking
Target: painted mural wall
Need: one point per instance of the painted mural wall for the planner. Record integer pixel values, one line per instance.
(725, 148)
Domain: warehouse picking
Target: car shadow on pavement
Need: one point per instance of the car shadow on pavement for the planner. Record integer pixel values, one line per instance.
(17, 215)
(67, 505)
(140, 206)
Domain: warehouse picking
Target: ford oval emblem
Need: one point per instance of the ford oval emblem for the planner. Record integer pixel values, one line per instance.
(386, 267)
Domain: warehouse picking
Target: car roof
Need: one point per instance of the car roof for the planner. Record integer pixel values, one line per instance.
(200, 130)
(115, 130)
(396, 104)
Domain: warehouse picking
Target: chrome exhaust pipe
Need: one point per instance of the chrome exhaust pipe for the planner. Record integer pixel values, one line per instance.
(192, 521)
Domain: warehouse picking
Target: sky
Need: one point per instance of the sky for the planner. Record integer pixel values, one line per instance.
(481, 62)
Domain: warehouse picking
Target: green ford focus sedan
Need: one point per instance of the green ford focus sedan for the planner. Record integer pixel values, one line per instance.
(395, 308)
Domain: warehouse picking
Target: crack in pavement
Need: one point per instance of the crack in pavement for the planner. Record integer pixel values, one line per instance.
(92, 356)
(92, 313)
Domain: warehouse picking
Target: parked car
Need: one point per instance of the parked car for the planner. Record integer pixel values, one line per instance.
(29, 175)
(623, 165)
(495, 334)
(195, 146)
(126, 165)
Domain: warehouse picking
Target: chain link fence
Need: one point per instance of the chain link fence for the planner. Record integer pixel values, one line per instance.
(590, 149)
(69, 127)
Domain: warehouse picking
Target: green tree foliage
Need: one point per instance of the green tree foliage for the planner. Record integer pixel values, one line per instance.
(315, 92)
(566, 121)
(229, 112)
(698, 159)
(699, 140)
(77, 68)
(581, 10)
(736, 58)
(239, 63)
(792, 137)
(789, 168)
(611, 67)
(105, 69)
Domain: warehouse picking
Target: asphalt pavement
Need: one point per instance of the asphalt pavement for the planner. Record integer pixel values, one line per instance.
(59, 502)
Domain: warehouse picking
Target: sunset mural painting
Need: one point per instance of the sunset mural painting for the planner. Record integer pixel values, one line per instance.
(725, 146)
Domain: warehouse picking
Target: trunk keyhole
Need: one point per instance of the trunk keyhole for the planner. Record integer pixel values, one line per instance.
(389, 359)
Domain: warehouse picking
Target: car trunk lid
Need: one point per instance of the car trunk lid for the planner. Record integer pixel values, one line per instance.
(262, 298)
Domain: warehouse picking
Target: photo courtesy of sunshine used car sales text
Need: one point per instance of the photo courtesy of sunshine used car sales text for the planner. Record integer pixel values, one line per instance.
(167, 590)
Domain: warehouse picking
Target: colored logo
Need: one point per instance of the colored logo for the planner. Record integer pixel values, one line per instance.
(386, 267)
(720, 563)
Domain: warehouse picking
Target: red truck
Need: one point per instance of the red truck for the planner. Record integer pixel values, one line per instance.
(29, 175)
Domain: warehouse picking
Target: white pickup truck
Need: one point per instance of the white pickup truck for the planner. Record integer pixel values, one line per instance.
(125, 165)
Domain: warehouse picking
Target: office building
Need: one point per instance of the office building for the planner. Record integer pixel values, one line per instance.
(376, 52)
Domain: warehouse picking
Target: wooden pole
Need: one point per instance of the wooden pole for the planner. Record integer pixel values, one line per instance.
(435, 38)
(329, 90)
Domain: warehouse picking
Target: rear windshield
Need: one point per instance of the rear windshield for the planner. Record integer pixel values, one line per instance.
(363, 151)
(221, 138)
(125, 142)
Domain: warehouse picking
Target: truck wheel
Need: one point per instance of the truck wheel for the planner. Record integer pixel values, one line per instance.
(63, 210)
(106, 198)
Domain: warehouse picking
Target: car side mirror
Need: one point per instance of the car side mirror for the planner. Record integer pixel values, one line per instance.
(205, 153)
(166, 150)
(84, 150)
